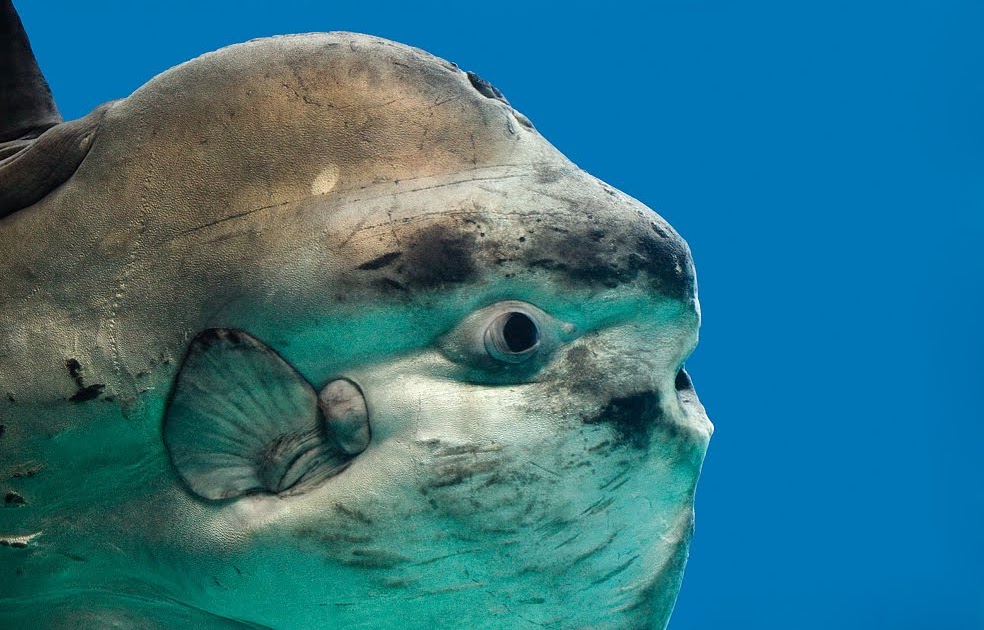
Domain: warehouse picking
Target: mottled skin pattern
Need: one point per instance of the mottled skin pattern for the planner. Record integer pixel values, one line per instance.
(350, 202)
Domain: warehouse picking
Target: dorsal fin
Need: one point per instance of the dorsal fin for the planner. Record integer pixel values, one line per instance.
(26, 105)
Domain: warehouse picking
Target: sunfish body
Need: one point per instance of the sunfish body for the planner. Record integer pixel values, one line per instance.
(318, 332)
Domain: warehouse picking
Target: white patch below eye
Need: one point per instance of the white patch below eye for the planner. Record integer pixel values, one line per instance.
(325, 181)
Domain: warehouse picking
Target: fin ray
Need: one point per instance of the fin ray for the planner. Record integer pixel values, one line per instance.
(242, 420)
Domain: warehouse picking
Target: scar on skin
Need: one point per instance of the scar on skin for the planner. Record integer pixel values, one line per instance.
(325, 181)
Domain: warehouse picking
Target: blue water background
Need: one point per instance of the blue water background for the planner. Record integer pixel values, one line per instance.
(824, 160)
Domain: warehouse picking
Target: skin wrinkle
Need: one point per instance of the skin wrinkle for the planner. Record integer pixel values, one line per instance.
(423, 216)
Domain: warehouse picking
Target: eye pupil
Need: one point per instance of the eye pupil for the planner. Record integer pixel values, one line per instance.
(513, 337)
(520, 332)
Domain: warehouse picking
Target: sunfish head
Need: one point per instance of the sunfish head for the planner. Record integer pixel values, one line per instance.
(397, 362)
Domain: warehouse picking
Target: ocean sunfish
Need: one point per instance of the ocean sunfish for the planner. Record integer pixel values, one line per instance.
(317, 331)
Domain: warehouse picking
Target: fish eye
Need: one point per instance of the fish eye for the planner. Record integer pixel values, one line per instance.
(505, 342)
(512, 337)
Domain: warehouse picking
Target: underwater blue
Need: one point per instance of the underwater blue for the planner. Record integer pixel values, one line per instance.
(825, 160)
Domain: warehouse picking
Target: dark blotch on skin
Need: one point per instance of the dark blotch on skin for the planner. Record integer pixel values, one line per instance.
(74, 369)
(379, 263)
(13, 498)
(390, 284)
(436, 257)
(667, 262)
(86, 392)
(353, 514)
(610, 260)
(632, 418)
(581, 363)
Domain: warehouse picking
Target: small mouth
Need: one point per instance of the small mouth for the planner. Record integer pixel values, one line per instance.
(683, 381)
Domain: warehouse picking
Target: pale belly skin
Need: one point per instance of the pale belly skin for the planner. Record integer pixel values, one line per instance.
(558, 497)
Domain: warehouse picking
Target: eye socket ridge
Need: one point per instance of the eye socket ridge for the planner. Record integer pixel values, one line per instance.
(513, 337)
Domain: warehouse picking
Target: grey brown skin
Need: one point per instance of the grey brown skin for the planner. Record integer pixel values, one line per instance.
(364, 212)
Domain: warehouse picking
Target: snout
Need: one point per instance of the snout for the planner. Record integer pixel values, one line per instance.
(635, 417)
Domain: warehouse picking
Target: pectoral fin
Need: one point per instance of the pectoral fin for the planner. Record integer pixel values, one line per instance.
(241, 420)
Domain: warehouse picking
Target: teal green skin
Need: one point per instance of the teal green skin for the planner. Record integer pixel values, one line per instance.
(263, 188)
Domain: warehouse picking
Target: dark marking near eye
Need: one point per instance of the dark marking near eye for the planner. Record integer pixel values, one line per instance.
(611, 262)
(379, 263)
(391, 284)
(436, 257)
(632, 418)
(85, 392)
(582, 367)
(667, 262)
